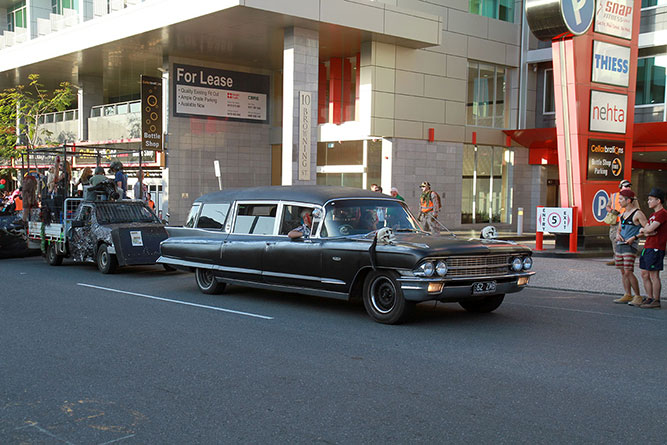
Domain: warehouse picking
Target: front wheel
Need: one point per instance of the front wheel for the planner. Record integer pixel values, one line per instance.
(207, 283)
(106, 262)
(52, 256)
(487, 304)
(383, 298)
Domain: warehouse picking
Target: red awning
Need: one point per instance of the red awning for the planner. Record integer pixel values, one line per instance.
(542, 144)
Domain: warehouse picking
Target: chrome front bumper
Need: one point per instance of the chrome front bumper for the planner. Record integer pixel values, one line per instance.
(416, 289)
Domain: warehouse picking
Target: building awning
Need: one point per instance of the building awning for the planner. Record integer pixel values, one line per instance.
(649, 143)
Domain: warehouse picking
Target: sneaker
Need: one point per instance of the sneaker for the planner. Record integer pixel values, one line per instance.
(611, 263)
(624, 299)
(650, 303)
(637, 301)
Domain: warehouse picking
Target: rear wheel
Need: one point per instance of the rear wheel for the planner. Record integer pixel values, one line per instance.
(207, 283)
(487, 304)
(383, 298)
(52, 256)
(106, 262)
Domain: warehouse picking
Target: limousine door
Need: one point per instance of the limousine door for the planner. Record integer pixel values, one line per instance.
(293, 262)
(253, 226)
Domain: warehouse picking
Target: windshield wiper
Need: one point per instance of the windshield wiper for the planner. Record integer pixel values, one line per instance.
(407, 230)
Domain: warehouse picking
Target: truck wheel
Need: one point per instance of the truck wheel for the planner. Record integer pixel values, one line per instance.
(207, 283)
(106, 262)
(52, 256)
(383, 298)
(487, 304)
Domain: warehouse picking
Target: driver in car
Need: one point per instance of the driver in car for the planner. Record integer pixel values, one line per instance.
(303, 231)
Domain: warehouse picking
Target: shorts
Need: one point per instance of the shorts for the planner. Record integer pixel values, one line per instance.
(625, 260)
(652, 259)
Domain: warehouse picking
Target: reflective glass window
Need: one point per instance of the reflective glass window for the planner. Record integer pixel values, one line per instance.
(192, 216)
(495, 9)
(255, 219)
(213, 216)
(651, 80)
(487, 98)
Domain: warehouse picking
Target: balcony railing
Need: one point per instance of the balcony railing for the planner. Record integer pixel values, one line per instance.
(116, 109)
(58, 116)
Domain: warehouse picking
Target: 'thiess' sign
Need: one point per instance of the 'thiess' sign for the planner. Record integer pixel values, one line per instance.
(605, 160)
(611, 64)
(608, 112)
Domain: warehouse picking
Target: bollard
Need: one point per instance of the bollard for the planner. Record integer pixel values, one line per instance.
(519, 221)
(539, 237)
(573, 235)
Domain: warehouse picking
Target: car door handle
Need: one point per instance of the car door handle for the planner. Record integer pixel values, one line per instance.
(270, 243)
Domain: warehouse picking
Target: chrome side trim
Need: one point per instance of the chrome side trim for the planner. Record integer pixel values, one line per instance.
(332, 281)
(289, 275)
(282, 288)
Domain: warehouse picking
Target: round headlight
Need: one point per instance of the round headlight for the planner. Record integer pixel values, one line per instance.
(441, 268)
(425, 269)
(527, 263)
(517, 264)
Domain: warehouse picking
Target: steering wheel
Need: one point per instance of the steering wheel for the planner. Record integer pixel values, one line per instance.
(345, 229)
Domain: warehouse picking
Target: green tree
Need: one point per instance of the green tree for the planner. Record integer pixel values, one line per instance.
(29, 103)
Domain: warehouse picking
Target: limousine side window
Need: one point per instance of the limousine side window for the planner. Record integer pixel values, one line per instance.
(192, 216)
(213, 216)
(292, 219)
(255, 219)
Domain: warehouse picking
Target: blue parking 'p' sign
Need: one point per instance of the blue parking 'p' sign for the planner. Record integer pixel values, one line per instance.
(600, 201)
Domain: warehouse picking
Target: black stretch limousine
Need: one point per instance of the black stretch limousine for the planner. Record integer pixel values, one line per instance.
(361, 244)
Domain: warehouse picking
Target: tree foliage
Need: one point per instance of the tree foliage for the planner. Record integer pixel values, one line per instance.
(29, 103)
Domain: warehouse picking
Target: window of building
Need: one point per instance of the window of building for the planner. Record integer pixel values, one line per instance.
(487, 105)
(549, 100)
(57, 6)
(495, 9)
(651, 80)
(487, 193)
(349, 163)
(653, 3)
(338, 90)
(17, 17)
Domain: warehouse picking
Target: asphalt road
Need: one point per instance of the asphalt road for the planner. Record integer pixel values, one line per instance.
(142, 357)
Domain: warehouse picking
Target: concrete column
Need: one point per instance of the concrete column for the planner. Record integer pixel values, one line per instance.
(91, 93)
(300, 73)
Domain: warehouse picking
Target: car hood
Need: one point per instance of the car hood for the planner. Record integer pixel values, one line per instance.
(447, 245)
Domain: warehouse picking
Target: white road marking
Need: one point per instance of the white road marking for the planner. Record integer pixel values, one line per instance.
(118, 440)
(584, 311)
(214, 308)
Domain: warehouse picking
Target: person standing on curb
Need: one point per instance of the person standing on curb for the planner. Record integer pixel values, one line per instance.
(627, 246)
(653, 256)
(614, 207)
(394, 194)
(429, 208)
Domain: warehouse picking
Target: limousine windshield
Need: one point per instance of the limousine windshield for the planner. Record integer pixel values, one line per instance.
(361, 216)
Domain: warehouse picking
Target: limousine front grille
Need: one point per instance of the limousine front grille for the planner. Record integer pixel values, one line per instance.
(478, 265)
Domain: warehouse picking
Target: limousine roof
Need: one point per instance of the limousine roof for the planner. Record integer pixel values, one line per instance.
(315, 194)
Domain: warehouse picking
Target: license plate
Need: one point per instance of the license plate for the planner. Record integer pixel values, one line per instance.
(483, 287)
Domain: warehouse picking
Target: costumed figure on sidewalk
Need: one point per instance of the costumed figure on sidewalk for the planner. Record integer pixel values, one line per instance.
(429, 208)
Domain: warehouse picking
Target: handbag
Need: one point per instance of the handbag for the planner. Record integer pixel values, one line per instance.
(611, 218)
